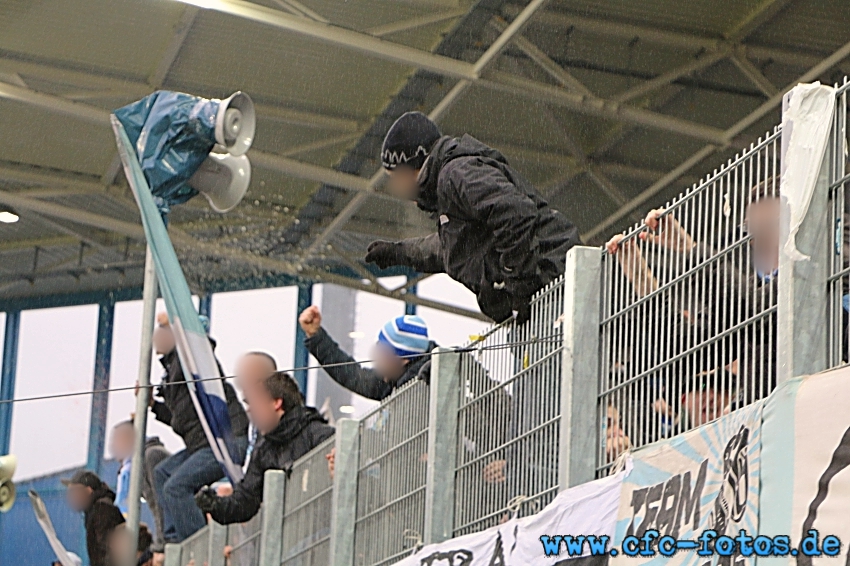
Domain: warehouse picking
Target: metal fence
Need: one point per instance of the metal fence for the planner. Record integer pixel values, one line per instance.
(838, 282)
(390, 516)
(243, 540)
(508, 417)
(196, 548)
(688, 322)
(307, 510)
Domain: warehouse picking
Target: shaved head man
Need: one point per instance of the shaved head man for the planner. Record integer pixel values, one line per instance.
(254, 367)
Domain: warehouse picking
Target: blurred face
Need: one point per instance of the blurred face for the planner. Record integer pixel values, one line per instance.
(762, 223)
(252, 370)
(705, 405)
(402, 182)
(121, 442)
(78, 497)
(163, 340)
(263, 411)
(387, 364)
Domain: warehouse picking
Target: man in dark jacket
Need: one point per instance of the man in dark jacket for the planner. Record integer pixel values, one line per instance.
(180, 476)
(86, 493)
(400, 355)
(288, 430)
(495, 233)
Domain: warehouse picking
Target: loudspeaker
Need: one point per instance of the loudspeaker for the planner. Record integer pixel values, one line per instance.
(223, 179)
(235, 122)
(7, 488)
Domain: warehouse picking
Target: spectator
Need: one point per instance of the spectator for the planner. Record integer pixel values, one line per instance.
(88, 494)
(616, 441)
(119, 542)
(288, 431)
(251, 370)
(400, 355)
(184, 473)
(495, 233)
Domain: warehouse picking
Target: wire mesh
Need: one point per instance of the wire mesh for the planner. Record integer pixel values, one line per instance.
(508, 417)
(391, 477)
(688, 322)
(244, 541)
(196, 548)
(838, 283)
(307, 510)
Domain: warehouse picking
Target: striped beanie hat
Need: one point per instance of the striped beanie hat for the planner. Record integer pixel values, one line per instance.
(407, 335)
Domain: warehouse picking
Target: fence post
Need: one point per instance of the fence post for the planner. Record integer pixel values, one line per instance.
(580, 379)
(272, 529)
(442, 445)
(344, 498)
(801, 341)
(217, 542)
(173, 554)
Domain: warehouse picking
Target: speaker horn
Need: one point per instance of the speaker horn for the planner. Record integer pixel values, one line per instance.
(7, 488)
(235, 122)
(223, 179)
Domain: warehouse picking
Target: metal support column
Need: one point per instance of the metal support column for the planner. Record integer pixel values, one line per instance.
(205, 305)
(173, 555)
(100, 399)
(217, 542)
(271, 539)
(7, 377)
(442, 444)
(801, 337)
(410, 308)
(302, 356)
(344, 498)
(580, 377)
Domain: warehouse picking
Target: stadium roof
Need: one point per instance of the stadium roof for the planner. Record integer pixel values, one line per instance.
(609, 107)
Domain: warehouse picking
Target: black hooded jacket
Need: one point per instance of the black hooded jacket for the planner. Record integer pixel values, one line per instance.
(178, 411)
(363, 381)
(101, 518)
(495, 233)
(300, 430)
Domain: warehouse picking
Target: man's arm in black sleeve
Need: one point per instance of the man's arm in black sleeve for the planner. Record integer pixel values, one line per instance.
(423, 254)
(246, 498)
(348, 373)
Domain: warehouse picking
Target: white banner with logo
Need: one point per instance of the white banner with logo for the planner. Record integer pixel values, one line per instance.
(704, 479)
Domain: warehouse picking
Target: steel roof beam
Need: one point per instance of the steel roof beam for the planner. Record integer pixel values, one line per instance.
(677, 40)
(104, 86)
(261, 159)
(342, 37)
(413, 23)
(756, 115)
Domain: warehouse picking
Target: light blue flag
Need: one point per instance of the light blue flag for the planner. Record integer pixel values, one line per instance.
(193, 346)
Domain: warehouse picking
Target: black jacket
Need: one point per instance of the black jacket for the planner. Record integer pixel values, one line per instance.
(101, 518)
(300, 430)
(178, 411)
(493, 227)
(352, 376)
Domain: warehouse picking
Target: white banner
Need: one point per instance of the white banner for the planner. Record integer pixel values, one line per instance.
(589, 510)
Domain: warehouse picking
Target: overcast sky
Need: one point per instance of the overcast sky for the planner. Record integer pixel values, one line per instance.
(57, 349)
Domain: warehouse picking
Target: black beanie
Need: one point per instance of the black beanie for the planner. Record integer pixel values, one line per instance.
(409, 140)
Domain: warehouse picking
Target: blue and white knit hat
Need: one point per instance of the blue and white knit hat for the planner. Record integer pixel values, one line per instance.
(407, 335)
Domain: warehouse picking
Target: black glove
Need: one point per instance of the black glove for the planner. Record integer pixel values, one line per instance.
(384, 254)
(206, 499)
(521, 292)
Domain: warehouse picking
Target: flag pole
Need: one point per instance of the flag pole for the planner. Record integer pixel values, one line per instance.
(140, 422)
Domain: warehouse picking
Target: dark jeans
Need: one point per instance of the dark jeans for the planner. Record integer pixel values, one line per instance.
(177, 479)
